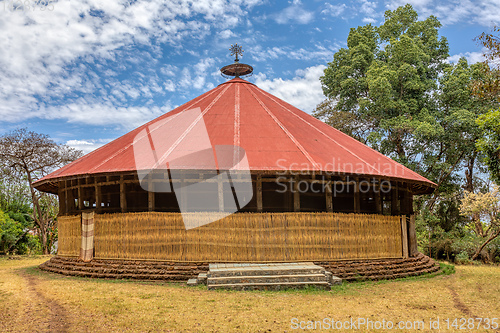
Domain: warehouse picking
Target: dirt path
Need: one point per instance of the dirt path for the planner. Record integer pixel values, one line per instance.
(57, 321)
(458, 303)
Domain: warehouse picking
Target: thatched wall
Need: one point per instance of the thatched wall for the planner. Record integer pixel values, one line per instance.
(238, 237)
(69, 235)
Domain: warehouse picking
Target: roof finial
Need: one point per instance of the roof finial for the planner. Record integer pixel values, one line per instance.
(236, 69)
(235, 50)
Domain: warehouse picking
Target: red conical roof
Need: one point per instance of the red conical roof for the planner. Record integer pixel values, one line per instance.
(274, 134)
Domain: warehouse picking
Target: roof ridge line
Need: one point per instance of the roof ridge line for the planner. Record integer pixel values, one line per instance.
(381, 155)
(186, 132)
(290, 136)
(237, 126)
(143, 136)
(326, 135)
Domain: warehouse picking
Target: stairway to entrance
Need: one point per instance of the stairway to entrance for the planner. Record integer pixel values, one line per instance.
(273, 276)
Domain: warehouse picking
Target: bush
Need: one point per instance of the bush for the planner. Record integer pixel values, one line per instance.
(462, 258)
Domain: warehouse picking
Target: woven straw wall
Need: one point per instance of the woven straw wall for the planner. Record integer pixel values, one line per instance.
(69, 235)
(245, 237)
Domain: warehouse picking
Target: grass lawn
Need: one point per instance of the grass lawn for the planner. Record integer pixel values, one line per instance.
(35, 301)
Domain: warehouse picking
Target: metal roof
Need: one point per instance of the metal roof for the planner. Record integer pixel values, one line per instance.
(274, 135)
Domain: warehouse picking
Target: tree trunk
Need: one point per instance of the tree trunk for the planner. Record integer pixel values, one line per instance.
(37, 213)
(492, 237)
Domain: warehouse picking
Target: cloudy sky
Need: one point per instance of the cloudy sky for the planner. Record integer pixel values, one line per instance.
(88, 71)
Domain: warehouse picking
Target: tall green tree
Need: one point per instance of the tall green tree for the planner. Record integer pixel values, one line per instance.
(489, 87)
(393, 89)
(385, 78)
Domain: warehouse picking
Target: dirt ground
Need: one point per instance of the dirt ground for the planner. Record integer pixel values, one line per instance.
(35, 301)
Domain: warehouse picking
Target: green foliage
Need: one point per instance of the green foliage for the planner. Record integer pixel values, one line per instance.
(13, 234)
(385, 76)
(489, 143)
(447, 269)
(393, 89)
(10, 232)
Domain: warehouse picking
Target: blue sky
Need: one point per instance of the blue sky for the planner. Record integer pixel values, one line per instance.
(86, 72)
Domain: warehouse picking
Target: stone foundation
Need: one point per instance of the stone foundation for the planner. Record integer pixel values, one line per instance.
(352, 270)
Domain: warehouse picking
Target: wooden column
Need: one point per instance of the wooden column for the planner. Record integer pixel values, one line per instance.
(378, 197)
(404, 236)
(98, 197)
(410, 201)
(123, 197)
(259, 193)
(220, 191)
(151, 193)
(80, 195)
(70, 200)
(395, 198)
(62, 199)
(296, 195)
(357, 202)
(329, 202)
(404, 204)
(412, 237)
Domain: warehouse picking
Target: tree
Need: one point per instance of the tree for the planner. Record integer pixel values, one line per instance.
(33, 156)
(386, 77)
(393, 89)
(489, 142)
(489, 87)
(487, 207)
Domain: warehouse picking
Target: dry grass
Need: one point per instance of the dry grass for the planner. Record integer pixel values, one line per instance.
(88, 305)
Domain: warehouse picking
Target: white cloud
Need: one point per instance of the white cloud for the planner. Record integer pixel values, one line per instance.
(225, 34)
(104, 114)
(483, 12)
(334, 10)
(86, 146)
(472, 57)
(294, 13)
(318, 52)
(65, 53)
(303, 91)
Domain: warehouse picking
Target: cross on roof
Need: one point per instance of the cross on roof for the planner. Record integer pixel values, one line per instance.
(236, 50)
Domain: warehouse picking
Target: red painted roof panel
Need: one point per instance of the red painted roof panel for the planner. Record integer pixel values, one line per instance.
(274, 134)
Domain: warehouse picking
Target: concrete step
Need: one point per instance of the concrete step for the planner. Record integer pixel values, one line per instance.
(271, 286)
(228, 270)
(272, 276)
(263, 279)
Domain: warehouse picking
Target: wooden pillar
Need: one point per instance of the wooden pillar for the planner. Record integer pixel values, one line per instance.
(378, 196)
(98, 197)
(404, 236)
(220, 191)
(70, 200)
(412, 237)
(259, 193)
(296, 195)
(410, 201)
(80, 195)
(357, 202)
(151, 193)
(123, 197)
(329, 202)
(395, 198)
(62, 199)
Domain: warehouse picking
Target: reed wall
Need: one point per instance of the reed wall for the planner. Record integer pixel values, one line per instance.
(244, 237)
(69, 235)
